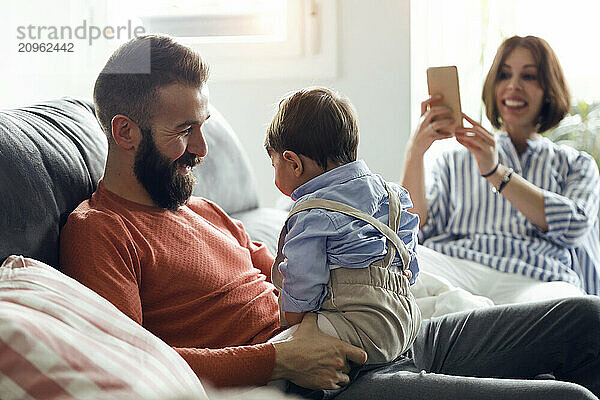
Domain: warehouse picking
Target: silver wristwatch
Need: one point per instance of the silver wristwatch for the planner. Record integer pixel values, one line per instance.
(505, 179)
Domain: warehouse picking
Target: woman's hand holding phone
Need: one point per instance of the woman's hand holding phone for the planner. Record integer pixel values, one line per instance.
(435, 124)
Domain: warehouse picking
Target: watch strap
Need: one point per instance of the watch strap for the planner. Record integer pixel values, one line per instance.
(505, 179)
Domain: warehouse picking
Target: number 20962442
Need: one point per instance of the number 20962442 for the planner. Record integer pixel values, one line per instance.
(27, 47)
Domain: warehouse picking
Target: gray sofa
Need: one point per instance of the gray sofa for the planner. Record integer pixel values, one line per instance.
(52, 156)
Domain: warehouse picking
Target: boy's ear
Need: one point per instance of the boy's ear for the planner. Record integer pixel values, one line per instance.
(294, 162)
(126, 133)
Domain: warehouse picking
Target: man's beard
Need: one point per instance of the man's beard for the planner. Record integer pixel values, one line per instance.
(158, 175)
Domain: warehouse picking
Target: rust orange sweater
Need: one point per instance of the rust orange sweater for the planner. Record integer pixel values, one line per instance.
(192, 277)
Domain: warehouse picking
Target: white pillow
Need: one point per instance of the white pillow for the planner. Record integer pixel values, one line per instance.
(60, 340)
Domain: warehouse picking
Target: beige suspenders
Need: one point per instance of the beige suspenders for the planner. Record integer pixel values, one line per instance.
(390, 233)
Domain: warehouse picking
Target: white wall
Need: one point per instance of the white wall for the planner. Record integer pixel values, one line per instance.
(373, 72)
(28, 77)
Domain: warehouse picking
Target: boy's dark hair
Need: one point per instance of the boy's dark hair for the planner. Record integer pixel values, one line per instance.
(129, 81)
(557, 99)
(317, 123)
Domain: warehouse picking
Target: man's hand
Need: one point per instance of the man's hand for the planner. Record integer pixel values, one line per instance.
(314, 360)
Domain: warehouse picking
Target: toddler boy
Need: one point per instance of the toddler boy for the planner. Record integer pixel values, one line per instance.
(347, 249)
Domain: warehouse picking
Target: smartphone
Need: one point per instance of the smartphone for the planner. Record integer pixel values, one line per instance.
(444, 81)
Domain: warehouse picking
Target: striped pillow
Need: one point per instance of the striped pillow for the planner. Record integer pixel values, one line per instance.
(60, 340)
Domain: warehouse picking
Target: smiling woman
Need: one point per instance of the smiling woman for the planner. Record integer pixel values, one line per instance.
(436, 39)
(534, 234)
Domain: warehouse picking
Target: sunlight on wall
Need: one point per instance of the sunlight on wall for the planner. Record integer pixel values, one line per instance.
(300, 40)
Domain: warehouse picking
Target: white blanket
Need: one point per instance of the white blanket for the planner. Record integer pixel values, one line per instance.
(436, 296)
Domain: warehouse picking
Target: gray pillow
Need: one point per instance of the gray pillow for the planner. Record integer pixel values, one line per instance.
(51, 158)
(263, 225)
(226, 176)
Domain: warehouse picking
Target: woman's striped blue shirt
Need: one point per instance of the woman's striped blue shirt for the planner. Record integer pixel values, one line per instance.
(466, 220)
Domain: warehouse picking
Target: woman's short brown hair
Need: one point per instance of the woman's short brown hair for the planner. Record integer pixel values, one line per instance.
(556, 103)
(317, 123)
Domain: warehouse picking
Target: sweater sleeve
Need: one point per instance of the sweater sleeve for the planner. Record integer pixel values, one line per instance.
(250, 365)
(232, 366)
(98, 251)
(262, 259)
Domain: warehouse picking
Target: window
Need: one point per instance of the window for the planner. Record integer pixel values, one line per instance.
(241, 39)
(215, 20)
(247, 39)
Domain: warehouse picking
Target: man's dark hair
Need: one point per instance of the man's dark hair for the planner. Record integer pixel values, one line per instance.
(556, 102)
(128, 83)
(317, 123)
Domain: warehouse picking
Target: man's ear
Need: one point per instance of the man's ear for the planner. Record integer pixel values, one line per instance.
(294, 162)
(125, 132)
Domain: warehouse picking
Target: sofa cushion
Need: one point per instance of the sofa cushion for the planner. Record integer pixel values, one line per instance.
(60, 340)
(263, 224)
(51, 158)
(225, 176)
